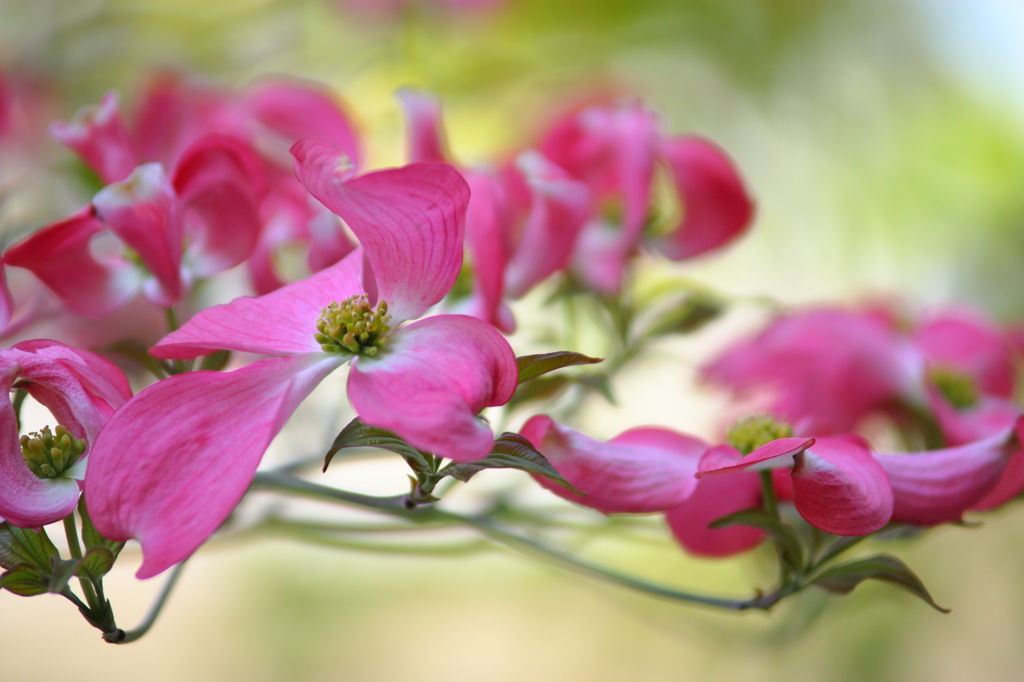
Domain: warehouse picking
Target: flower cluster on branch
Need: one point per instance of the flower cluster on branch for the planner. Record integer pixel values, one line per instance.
(199, 181)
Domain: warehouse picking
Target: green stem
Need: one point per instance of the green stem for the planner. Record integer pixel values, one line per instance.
(327, 537)
(771, 507)
(171, 319)
(397, 506)
(273, 480)
(76, 553)
(768, 494)
(530, 546)
(122, 637)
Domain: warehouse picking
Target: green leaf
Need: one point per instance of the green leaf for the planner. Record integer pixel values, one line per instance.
(26, 546)
(531, 366)
(358, 435)
(511, 451)
(96, 563)
(692, 313)
(784, 535)
(91, 537)
(216, 360)
(843, 578)
(23, 580)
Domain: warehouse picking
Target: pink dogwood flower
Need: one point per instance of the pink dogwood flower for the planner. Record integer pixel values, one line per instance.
(426, 380)
(615, 151)
(650, 469)
(838, 486)
(523, 220)
(41, 474)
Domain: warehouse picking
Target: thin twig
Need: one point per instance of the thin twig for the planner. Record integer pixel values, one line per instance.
(122, 637)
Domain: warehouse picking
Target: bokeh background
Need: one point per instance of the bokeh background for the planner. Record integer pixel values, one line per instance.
(884, 142)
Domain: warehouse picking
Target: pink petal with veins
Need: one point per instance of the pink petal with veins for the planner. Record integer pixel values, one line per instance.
(432, 379)
(716, 206)
(59, 255)
(99, 136)
(426, 138)
(937, 486)
(410, 222)
(170, 466)
(282, 322)
(840, 488)
(639, 471)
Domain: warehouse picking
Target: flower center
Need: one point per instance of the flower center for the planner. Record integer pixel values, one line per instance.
(50, 454)
(352, 326)
(956, 387)
(750, 433)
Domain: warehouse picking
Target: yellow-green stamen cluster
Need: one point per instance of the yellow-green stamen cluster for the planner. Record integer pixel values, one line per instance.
(956, 387)
(750, 433)
(49, 454)
(352, 326)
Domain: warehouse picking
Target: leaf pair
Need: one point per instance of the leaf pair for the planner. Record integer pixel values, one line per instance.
(510, 451)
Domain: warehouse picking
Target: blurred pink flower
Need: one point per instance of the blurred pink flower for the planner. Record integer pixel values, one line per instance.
(615, 150)
(426, 381)
(202, 220)
(824, 369)
(268, 117)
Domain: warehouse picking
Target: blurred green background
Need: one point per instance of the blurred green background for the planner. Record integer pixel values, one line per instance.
(884, 142)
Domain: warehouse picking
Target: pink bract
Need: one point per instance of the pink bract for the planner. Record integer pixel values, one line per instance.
(938, 486)
(837, 485)
(81, 390)
(639, 471)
